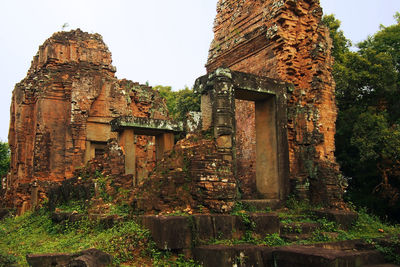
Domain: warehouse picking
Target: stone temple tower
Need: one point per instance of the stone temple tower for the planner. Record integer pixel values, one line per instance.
(285, 40)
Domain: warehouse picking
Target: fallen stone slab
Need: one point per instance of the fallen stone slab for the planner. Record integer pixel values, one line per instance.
(60, 217)
(91, 258)
(86, 258)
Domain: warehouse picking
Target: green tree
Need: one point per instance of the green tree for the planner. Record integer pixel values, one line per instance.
(368, 132)
(340, 43)
(180, 102)
(4, 159)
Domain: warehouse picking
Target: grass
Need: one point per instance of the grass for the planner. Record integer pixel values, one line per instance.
(367, 227)
(128, 242)
(131, 245)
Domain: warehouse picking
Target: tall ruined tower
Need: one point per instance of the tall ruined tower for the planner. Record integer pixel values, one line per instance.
(60, 113)
(285, 40)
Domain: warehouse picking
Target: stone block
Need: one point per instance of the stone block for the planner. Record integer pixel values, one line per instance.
(86, 258)
(203, 227)
(265, 223)
(344, 219)
(214, 255)
(169, 232)
(248, 255)
(294, 256)
(60, 217)
(91, 258)
(224, 226)
(48, 260)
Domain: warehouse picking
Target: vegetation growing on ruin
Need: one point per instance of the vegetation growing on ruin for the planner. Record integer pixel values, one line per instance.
(128, 242)
(179, 102)
(368, 228)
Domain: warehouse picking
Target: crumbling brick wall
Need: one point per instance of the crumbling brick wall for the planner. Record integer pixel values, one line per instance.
(284, 39)
(194, 176)
(67, 99)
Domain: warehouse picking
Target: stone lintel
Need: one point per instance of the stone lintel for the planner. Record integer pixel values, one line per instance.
(145, 126)
(245, 84)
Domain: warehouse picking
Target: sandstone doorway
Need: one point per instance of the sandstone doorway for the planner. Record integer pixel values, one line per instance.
(233, 102)
(256, 140)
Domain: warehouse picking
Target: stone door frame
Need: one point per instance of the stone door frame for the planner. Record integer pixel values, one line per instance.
(129, 126)
(219, 90)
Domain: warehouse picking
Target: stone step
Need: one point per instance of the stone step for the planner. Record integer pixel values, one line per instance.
(295, 237)
(315, 257)
(263, 204)
(382, 265)
(291, 256)
(344, 219)
(299, 228)
(183, 232)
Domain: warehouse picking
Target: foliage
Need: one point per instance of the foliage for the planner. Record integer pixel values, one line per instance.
(274, 240)
(368, 98)
(180, 102)
(340, 42)
(35, 233)
(390, 251)
(4, 159)
(7, 260)
(73, 206)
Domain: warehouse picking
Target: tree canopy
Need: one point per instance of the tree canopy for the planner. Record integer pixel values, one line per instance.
(368, 124)
(4, 159)
(180, 102)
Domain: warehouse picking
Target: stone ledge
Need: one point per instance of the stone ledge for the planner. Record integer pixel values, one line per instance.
(291, 256)
(344, 219)
(169, 232)
(183, 232)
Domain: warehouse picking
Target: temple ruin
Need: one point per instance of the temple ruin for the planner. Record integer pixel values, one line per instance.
(61, 113)
(267, 117)
(283, 40)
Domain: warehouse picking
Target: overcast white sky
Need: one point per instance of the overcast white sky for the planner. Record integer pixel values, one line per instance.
(161, 41)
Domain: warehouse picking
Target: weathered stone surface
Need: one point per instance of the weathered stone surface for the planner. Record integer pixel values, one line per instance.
(48, 260)
(344, 219)
(265, 223)
(91, 258)
(169, 232)
(291, 256)
(238, 255)
(214, 255)
(284, 40)
(86, 258)
(191, 177)
(60, 113)
(320, 257)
